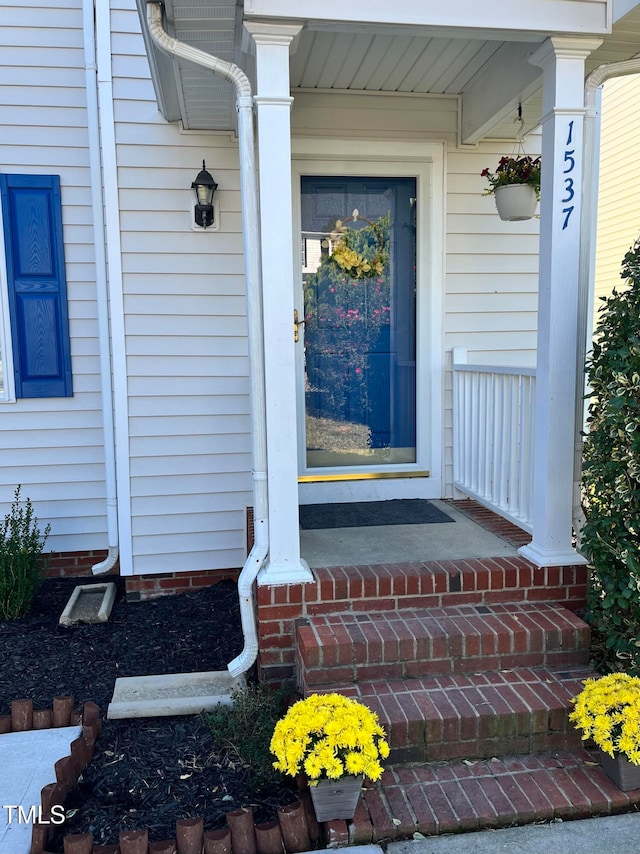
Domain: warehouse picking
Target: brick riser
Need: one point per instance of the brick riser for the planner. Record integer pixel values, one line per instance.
(466, 681)
(437, 584)
(455, 797)
(474, 716)
(412, 643)
(391, 587)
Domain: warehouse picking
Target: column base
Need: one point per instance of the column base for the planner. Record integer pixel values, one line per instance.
(539, 556)
(285, 573)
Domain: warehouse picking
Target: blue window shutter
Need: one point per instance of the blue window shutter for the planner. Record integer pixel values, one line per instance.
(34, 249)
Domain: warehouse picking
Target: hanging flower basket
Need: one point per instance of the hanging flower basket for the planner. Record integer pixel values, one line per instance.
(516, 202)
(516, 186)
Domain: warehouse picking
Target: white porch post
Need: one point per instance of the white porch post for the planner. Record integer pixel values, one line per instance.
(562, 61)
(273, 105)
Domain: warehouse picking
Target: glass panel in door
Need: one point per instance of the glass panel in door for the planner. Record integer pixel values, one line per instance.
(359, 275)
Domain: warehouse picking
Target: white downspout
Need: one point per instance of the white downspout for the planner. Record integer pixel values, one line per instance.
(102, 303)
(586, 272)
(251, 245)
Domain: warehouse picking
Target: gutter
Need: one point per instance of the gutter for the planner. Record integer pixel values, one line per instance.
(586, 270)
(251, 246)
(102, 302)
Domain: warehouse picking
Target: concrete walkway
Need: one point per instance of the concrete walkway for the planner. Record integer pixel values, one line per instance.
(619, 834)
(26, 766)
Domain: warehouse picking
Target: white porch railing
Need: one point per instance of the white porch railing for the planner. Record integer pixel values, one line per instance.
(493, 429)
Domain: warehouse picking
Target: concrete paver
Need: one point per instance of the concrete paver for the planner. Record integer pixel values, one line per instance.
(172, 694)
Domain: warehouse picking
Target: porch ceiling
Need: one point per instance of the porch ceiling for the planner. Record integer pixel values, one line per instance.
(370, 58)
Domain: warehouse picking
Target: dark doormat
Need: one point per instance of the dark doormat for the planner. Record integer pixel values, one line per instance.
(363, 514)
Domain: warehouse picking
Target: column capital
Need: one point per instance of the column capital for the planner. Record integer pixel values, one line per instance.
(562, 60)
(268, 101)
(563, 47)
(261, 33)
(271, 44)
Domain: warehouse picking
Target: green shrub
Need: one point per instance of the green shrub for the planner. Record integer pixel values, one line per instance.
(245, 728)
(611, 471)
(21, 560)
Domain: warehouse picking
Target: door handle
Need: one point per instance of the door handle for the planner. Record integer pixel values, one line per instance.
(296, 326)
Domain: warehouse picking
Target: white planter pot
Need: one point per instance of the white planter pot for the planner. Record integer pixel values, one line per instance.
(625, 775)
(336, 798)
(516, 202)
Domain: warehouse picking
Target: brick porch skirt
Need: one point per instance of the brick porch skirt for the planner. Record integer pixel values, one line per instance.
(65, 564)
(138, 587)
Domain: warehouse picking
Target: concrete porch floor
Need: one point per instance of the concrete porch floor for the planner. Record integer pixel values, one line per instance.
(474, 533)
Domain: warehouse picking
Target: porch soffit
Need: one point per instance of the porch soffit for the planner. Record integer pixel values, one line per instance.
(362, 57)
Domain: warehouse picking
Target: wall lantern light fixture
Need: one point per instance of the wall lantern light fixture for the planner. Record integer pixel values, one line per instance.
(204, 187)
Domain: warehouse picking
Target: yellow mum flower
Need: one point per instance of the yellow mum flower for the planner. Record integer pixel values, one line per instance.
(312, 767)
(329, 736)
(608, 711)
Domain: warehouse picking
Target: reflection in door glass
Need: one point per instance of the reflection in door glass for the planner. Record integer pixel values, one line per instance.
(358, 266)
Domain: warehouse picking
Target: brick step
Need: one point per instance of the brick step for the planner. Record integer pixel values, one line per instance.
(456, 796)
(391, 587)
(439, 583)
(475, 715)
(437, 641)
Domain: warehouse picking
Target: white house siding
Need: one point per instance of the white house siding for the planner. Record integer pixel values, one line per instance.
(185, 329)
(53, 447)
(491, 267)
(491, 291)
(619, 193)
(185, 326)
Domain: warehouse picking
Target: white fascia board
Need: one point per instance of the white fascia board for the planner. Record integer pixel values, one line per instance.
(543, 16)
(495, 91)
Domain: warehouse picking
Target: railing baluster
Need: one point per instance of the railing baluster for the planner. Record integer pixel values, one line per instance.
(493, 424)
(513, 503)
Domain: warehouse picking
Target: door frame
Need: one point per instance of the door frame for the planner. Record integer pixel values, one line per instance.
(425, 162)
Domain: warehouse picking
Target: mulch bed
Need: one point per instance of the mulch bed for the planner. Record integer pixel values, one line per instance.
(145, 772)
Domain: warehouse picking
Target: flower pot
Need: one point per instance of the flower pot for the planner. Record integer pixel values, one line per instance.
(336, 798)
(623, 773)
(515, 202)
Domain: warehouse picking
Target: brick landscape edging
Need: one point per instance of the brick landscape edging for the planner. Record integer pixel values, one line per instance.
(295, 830)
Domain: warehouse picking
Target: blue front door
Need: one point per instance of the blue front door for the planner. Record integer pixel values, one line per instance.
(359, 279)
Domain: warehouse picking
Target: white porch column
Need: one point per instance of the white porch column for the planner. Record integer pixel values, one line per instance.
(273, 104)
(562, 61)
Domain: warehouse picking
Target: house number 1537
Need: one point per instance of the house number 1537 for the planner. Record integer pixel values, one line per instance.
(570, 164)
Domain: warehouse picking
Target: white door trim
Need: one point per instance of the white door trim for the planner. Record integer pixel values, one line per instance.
(425, 161)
